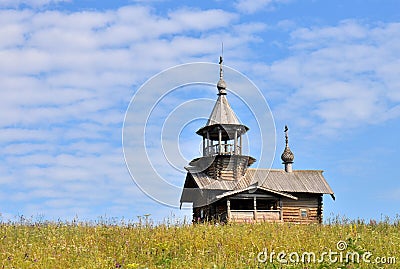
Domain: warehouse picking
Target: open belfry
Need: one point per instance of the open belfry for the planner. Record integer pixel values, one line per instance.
(222, 141)
(222, 187)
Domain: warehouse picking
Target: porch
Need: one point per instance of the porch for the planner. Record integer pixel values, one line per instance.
(254, 215)
(254, 208)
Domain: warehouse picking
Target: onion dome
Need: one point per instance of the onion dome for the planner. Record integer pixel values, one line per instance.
(287, 155)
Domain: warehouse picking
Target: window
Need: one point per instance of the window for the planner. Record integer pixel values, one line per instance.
(303, 213)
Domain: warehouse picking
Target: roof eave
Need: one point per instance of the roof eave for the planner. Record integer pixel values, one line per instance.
(284, 194)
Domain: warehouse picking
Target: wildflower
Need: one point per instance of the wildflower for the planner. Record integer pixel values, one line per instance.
(132, 266)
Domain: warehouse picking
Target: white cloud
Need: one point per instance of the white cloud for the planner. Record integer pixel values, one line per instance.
(195, 19)
(66, 79)
(32, 3)
(347, 31)
(253, 6)
(339, 77)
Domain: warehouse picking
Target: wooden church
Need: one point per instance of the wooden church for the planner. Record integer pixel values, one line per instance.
(222, 186)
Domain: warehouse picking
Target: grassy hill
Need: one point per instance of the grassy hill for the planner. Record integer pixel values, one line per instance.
(138, 245)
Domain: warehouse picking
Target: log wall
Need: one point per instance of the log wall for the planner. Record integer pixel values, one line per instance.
(228, 167)
(311, 203)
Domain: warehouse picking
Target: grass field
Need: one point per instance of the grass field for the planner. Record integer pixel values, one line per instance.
(105, 244)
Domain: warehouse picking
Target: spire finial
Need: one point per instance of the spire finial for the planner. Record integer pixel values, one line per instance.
(221, 60)
(221, 85)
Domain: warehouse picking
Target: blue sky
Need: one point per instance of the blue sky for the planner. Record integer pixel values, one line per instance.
(329, 69)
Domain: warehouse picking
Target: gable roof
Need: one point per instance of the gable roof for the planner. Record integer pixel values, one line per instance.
(273, 180)
(308, 181)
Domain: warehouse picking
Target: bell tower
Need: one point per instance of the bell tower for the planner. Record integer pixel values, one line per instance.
(222, 140)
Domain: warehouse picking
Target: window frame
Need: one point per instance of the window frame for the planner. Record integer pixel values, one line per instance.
(303, 213)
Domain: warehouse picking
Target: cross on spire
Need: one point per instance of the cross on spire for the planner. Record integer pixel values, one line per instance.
(221, 85)
(286, 135)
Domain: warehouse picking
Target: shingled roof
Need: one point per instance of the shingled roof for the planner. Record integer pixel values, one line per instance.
(222, 113)
(276, 180)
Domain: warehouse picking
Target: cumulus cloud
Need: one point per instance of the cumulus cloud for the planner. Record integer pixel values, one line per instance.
(253, 6)
(339, 77)
(32, 3)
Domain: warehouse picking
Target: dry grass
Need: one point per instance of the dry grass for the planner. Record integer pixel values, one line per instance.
(136, 245)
